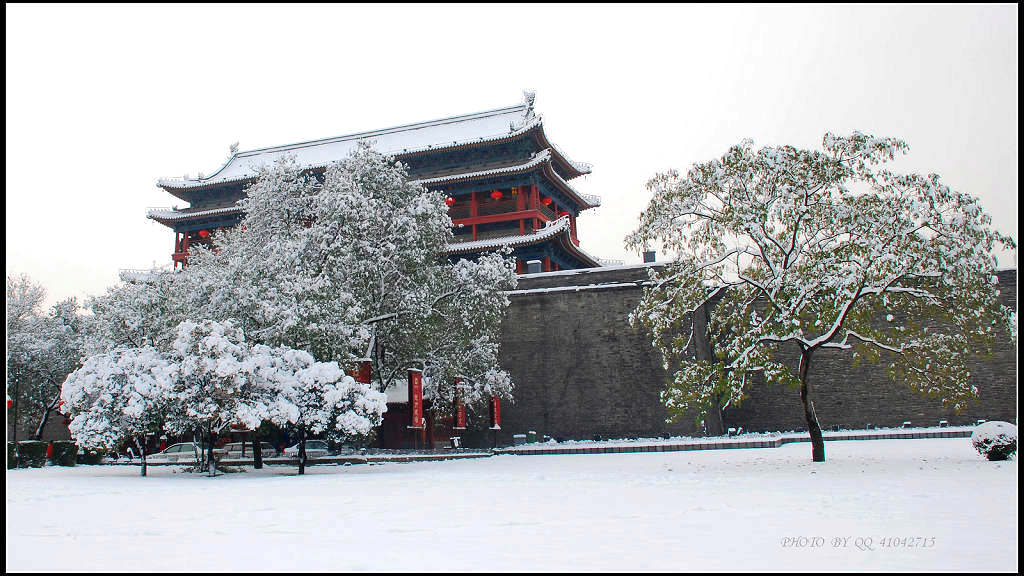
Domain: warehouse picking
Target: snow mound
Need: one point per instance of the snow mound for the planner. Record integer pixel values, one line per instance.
(995, 440)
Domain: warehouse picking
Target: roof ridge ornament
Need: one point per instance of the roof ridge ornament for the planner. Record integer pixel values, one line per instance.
(529, 96)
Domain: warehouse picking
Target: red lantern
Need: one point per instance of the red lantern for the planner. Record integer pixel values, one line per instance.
(9, 403)
(449, 200)
(496, 194)
(563, 213)
(545, 201)
(204, 233)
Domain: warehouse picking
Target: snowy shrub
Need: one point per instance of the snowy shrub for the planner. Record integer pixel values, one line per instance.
(995, 440)
(31, 453)
(65, 452)
(12, 455)
(90, 457)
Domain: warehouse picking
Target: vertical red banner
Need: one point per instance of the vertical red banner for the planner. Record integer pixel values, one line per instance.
(495, 413)
(362, 372)
(416, 398)
(460, 408)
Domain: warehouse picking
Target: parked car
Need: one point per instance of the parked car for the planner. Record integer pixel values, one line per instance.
(185, 452)
(314, 449)
(243, 451)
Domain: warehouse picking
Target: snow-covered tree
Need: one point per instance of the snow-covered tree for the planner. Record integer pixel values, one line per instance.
(119, 395)
(42, 349)
(136, 314)
(811, 250)
(460, 338)
(214, 390)
(383, 237)
(310, 396)
(350, 265)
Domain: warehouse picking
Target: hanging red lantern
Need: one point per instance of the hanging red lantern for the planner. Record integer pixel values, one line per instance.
(449, 200)
(545, 201)
(204, 233)
(563, 213)
(10, 402)
(496, 194)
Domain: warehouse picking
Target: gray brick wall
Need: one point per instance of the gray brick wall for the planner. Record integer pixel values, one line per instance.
(581, 371)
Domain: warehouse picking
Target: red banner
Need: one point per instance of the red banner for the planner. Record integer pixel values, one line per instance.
(416, 398)
(495, 413)
(460, 408)
(362, 372)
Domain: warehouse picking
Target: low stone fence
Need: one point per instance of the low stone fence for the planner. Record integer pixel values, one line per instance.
(728, 443)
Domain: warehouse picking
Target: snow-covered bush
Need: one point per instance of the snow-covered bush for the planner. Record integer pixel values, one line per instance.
(995, 440)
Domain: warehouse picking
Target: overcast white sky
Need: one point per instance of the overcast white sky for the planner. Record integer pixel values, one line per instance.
(103, 100)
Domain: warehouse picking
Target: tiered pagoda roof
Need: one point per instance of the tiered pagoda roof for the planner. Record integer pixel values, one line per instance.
(489, 127)
(460, 155)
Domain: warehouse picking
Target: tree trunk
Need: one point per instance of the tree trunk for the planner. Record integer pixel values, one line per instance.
(703, 351)
(302, 450)
(142, 454)
(257, 452)
(211, 466)
(817, 440)
(46, 416)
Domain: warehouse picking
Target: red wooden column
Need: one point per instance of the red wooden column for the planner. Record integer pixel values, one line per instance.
(184, 248)
(547, 264)
(520, 206)
(519, 265)
(473, 207)
(534, 203)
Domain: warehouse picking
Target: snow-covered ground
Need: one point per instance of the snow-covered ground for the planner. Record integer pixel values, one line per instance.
(944, 505)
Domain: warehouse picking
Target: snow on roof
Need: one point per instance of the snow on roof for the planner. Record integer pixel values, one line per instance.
(550, 229)
(537, 159)
(439, 134)
(173, 215)
(542, 157)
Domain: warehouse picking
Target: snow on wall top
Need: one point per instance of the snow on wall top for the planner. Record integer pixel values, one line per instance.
(410, 138)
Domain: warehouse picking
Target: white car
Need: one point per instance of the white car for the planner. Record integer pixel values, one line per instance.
(243, 451)
(314, 449)
(185, 452)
